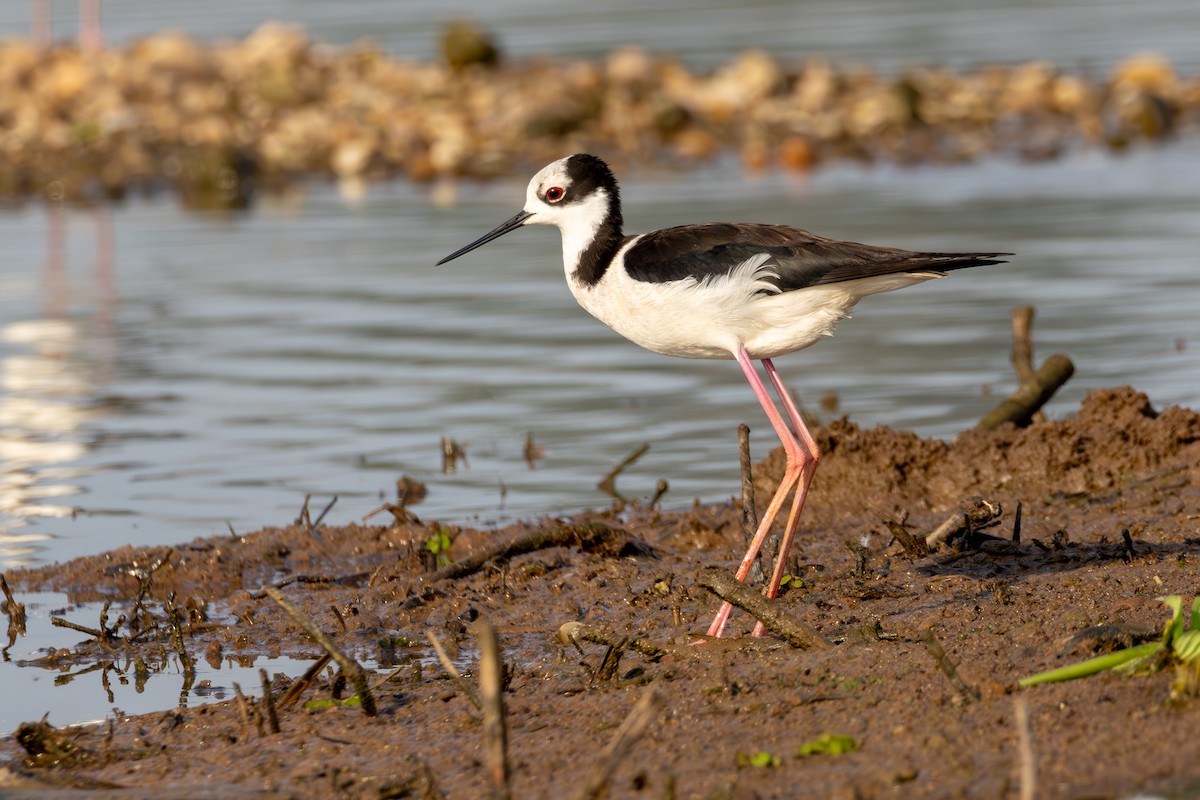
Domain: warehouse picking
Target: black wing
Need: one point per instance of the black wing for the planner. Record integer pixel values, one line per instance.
(799, 258)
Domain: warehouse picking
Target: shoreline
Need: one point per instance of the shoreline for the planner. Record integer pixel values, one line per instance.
(218, 123)
(1110, 495)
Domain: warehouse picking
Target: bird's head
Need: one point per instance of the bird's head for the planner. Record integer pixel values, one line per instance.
(578, 194)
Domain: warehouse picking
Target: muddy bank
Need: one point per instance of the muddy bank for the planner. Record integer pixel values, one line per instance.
(217, 121)
(733, 714)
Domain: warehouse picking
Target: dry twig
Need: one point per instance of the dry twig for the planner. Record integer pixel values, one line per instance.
(773, 618)
(595, 786)
(350, 668)
(452, 670)
(491, 697)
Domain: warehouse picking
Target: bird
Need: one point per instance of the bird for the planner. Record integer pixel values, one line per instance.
(718, 290)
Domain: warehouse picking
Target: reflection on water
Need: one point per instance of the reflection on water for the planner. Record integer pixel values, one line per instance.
(52, 371)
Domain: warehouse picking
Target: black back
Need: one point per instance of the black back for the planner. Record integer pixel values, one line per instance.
(799, 259)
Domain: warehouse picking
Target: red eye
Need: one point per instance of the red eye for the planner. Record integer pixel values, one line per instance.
(554, 194)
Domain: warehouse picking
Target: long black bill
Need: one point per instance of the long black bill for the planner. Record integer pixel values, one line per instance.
(511, 225)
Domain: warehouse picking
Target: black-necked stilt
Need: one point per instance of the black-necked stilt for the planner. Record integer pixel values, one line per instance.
(718, 290)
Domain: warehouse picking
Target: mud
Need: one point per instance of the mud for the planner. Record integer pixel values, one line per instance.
(734, 713)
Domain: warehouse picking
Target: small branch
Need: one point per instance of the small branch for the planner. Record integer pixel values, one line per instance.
(1028, 774)
(302, 683)
(452, 670)
(749, 513)
(948, 667)
(491, 696)
(1020, 406)
(774, 619)
(914, 547)
(350, 668)
(595, 786)
(588, 535)
(269, 701)
(1022, 347)
(973, 514)
(576, 632)
(608, 484)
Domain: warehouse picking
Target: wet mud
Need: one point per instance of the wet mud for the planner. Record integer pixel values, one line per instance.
(921, 674)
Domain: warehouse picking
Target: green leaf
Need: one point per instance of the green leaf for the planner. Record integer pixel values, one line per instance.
(760, 759)
(353, 701)
(1186, 646)
(1174, 625)
(1194, 623)
(832, 744)
(1129, 658)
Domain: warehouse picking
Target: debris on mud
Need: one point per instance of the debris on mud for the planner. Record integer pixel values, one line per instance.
(604, 690)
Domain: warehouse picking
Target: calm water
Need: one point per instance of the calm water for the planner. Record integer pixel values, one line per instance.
(882, 33)
(209, 371)
(222, 367)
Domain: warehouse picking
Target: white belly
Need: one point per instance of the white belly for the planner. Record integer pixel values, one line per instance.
(710, 319)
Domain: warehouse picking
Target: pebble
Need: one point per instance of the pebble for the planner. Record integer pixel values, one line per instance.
(216, 121)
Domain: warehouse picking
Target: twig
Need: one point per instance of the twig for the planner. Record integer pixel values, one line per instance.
(269, 701)
(1028, 773)
(1016, 528)
(1022, 350)
(749, 512)
(317, 522)
(576, 632)
(243, 710)
(452, 670)
(16, 616)
(774, 619)
(491, 695)
(914, 547)
(1020, 406)
(948, 667)
(1022, 347)
(60, 622)
(588, 535)
(595, 786)
(304, 681)
(973, 514)
(660, 489)
(350, 668)
(185, 658)
(608, 484)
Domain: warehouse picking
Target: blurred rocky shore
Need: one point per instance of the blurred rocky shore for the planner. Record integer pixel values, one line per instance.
(218, 121)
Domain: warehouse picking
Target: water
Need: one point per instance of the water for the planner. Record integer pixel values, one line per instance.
(886, 35)
(234, 364)
(87, 691)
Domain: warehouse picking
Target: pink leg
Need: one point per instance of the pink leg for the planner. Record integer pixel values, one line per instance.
(810, 454)
(801, 462)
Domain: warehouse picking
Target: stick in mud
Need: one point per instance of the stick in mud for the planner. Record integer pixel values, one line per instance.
(1028, 772)
(774, 619)
(491, 696)
(350, 668)
(302, 683)
(452, 670)
(608, 484)
(269, 701)
(749, 513)
(914, 546)
(1019, 407)
(595, 786)
(948, 667)
(588, 534)
(575, 632)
